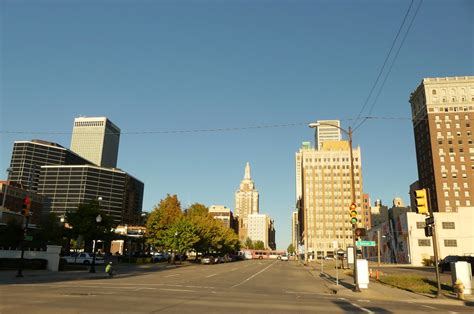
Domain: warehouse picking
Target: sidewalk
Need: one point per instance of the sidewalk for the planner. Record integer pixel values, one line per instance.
(376, 290)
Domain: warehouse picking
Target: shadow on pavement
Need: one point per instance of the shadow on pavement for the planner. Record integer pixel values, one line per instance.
(348, 307)
(8, 277)
(342, 282)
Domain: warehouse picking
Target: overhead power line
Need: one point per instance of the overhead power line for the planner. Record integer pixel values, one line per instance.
(212, 130)
(391, 65)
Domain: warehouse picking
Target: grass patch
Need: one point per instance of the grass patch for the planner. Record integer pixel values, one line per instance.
(417, 284)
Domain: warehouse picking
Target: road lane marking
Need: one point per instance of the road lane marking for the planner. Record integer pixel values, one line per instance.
(211, 276)
(261, 271)
(172, 275)
(234, 268)
(361, 308)
(428, 307)
(368, 301)
(177, 290)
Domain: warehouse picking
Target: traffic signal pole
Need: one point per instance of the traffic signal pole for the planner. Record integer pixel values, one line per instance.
(435, 245)
(22, 245)
(356, 279)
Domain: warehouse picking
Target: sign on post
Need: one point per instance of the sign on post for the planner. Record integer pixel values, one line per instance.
(365, 243)
(429, 220)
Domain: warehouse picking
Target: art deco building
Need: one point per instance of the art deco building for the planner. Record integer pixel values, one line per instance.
(443, 118)
(246, 202)
(323, 193)
(96, 139)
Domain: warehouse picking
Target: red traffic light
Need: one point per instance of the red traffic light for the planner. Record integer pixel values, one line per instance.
(353, 206)
(27, 201)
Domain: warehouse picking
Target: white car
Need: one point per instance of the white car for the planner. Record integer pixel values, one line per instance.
(83, 258)
(284, 258)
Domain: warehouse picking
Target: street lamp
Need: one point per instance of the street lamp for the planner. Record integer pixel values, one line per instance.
(98, 219)
(349, 135)
(9, 172)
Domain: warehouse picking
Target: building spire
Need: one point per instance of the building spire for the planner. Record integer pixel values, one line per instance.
(247, 171)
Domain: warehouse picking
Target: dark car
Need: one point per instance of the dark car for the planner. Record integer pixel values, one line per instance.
(445, 263)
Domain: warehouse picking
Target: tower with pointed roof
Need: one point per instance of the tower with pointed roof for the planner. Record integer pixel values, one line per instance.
(246, 202)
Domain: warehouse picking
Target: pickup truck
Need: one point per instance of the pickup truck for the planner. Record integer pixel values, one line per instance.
(83, 258)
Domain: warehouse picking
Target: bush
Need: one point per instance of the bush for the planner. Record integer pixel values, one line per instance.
(427, 262)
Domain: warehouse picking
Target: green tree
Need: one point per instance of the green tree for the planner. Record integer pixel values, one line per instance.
(83, 223)
(197, 209)
(291, 249)
(181, 236)
(259, 245)
(249, 244)
(163, 216)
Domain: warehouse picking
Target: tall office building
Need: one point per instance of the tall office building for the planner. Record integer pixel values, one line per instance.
(65, 180)
(29, 156)
(323, 193)
(443, 118)
(66, 187)
(260, 228)
(97, 140)
(326, 132)
(246, 202)
(294, 229)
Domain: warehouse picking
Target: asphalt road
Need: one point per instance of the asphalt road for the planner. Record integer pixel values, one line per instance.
(240, 287)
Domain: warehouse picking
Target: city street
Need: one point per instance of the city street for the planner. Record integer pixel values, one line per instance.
(239, 287)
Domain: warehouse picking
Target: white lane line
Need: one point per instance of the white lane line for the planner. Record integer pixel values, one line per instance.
(254, 275)
(172, 275)
(178, 290)
(144, 288)
(211, 276)
(367, 301)
(305, 293)
(428, 307)
(361, 308)
(234, 268)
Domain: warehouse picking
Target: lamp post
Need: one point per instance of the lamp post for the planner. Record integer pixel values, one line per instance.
(98, 219)
(9, 172)
(353, 196)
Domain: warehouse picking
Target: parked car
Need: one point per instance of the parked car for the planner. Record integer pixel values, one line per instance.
(159, 257)
(208, 259)
(83, 258)
(445, 263)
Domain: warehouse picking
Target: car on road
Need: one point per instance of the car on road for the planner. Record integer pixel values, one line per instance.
(284, 257)
(159, 257)
(83, 258)
(208, 259)
(445, 263)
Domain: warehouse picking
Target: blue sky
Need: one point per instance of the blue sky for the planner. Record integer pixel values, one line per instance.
(157, 66)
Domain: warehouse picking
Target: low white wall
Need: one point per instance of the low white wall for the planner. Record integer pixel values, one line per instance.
(51, 255)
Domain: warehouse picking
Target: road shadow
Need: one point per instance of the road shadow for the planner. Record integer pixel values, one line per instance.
(8, 277)
(342, 282)
(350, 308)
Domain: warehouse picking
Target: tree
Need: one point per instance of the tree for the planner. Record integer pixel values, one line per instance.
(83, 223)
(291, 249)
(197, 209)
(163, 216)
(181, 236)
(248, 243)
(259, 245)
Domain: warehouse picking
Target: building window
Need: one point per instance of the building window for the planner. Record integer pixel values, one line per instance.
(420, 224)
(450, 243)
(448, 225)
(425, 242)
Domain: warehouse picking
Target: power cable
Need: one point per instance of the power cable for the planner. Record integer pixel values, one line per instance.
(385, 61)
(391, 66)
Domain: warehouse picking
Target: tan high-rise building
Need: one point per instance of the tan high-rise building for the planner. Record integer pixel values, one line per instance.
(246, 202)
(443, 118)
(323, 193)
(97, 140)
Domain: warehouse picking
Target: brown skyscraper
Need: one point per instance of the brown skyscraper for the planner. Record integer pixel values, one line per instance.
(443, 115)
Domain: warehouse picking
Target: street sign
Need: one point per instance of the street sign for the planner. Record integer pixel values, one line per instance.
(429, 220)
(28, 238)
(365, 243)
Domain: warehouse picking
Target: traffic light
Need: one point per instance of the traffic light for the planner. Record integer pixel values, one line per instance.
(25, 207)
(428, 231)
(422, 202)
(353, 213)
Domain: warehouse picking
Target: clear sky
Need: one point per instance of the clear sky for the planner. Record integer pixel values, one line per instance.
(159, 66)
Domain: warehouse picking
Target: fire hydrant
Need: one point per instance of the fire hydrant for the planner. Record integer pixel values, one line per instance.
(459, 289)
